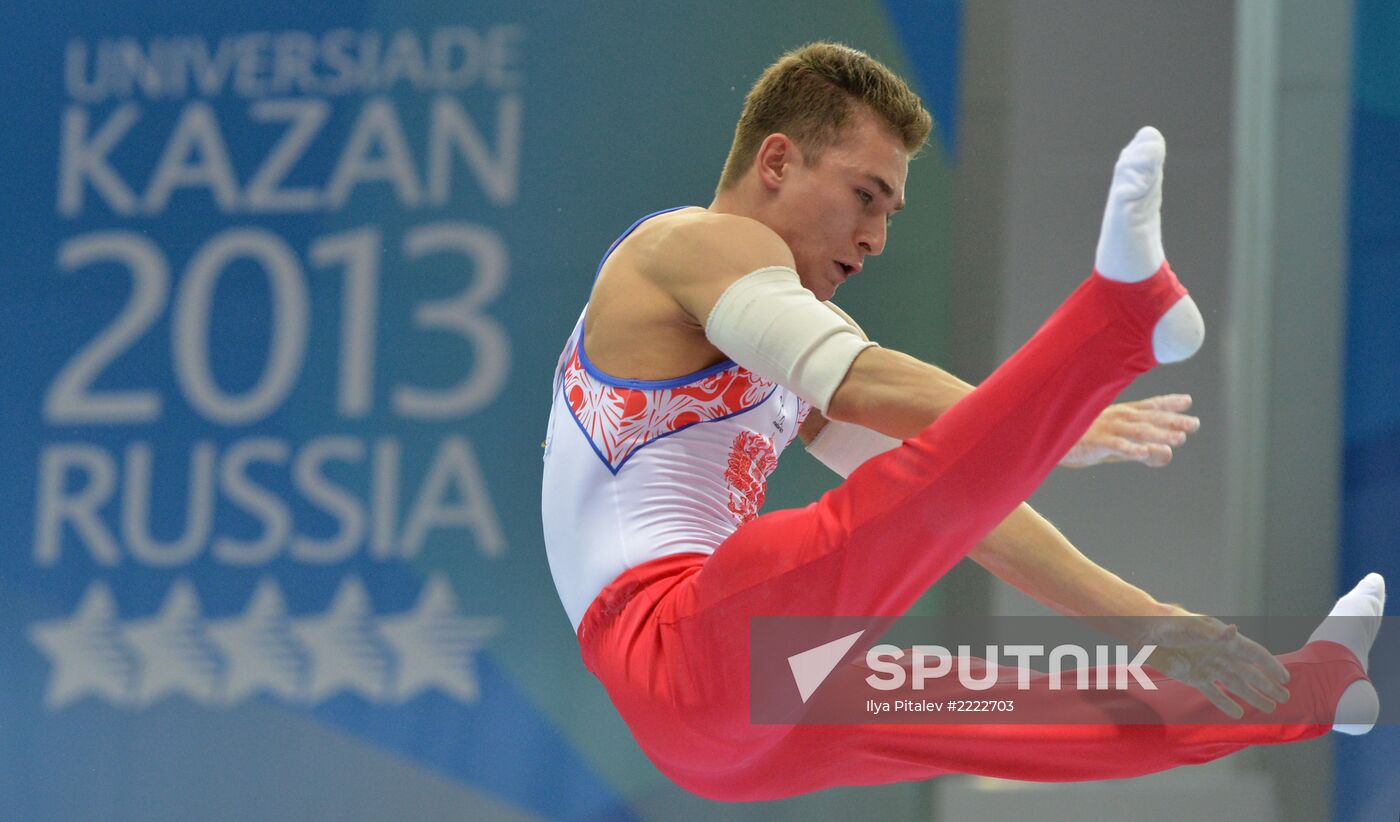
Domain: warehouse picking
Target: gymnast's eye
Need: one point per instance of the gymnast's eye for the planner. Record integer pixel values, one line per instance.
(866, 198)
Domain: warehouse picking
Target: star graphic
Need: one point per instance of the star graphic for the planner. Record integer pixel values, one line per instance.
(86, 652)
(176, 658)
(434, 644)
(258, 648)
(345, 652)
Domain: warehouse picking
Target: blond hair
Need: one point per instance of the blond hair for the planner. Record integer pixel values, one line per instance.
(812, 93)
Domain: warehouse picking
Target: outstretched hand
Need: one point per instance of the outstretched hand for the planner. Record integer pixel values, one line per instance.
(1214, 658)
(1144, 431)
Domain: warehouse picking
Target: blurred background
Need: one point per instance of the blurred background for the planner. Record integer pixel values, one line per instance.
(285, 284)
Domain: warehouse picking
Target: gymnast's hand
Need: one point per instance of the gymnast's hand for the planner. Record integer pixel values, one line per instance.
(1144, 431)
(1209, 655)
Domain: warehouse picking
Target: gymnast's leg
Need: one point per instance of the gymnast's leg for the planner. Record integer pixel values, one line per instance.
(1091, 739)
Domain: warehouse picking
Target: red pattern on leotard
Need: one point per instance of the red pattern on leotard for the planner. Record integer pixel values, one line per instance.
(751, 460)
(621, 420)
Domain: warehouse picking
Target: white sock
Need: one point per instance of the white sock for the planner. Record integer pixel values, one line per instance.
(1357, 710)
(1353, 622)
(1130, 241)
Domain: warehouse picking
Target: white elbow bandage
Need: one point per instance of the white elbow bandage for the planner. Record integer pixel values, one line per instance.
(768, 323)
(843, 446)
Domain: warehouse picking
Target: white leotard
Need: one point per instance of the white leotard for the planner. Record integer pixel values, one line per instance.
(640, 469)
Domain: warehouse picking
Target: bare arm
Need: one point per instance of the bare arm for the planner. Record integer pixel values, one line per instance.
(940, 390)
(1027, 552)
(898, 395)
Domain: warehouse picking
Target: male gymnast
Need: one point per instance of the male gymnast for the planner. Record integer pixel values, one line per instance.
(709, 343)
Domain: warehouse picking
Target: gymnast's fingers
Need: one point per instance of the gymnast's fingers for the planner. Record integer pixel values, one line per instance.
(1227, 706)
(1165, 402)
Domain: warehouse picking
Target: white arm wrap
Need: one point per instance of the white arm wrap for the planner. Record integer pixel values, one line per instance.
(768, 323)
(843, 446)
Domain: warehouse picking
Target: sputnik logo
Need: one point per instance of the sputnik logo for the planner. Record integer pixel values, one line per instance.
(811, 667)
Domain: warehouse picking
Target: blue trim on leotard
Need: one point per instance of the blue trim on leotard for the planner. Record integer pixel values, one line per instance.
(638, 449)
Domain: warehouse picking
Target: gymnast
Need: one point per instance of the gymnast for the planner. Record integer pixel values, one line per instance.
(653, 480)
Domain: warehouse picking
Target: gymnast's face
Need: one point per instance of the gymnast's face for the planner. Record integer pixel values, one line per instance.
(834, 212)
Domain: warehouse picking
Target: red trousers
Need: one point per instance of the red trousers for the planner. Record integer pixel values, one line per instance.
(669, 638)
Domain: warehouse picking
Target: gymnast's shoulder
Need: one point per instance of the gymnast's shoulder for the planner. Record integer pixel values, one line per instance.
(695, 254)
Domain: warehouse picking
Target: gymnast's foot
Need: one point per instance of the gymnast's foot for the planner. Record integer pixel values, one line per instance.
(1130, 241)
(1353, 622)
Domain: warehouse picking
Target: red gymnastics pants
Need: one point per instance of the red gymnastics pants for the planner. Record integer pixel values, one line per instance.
(669, 638)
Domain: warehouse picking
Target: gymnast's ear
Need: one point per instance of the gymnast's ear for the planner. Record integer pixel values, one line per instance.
(777, 156)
